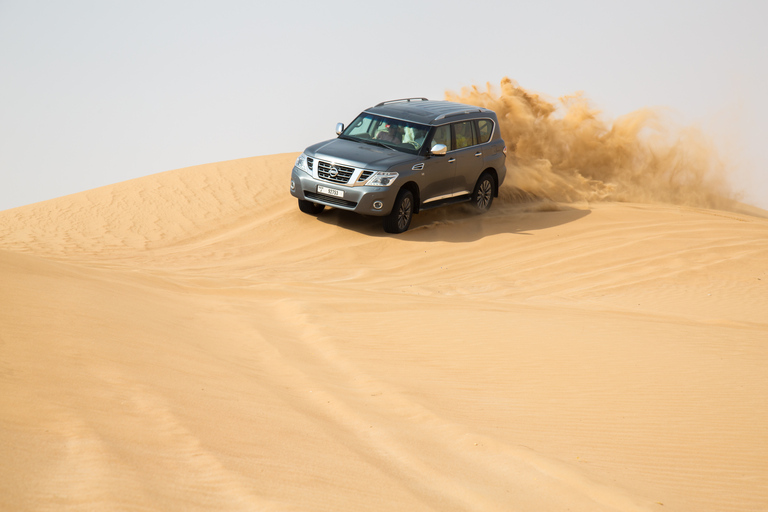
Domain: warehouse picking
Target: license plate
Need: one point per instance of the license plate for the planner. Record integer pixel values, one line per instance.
(329, 191)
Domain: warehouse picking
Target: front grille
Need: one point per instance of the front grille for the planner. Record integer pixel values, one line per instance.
(333, 173)
(329, 199)
(310, 163)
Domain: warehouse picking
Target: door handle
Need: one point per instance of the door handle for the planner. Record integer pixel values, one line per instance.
(479, 153)
(451, 160)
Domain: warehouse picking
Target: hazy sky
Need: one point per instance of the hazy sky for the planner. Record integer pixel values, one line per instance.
(97, 92)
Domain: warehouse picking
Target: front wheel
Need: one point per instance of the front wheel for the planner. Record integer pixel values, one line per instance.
(399, 219)
(482, 197)
(310, 207)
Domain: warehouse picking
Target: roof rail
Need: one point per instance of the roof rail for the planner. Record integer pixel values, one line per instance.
(408, 100)
(451, 114)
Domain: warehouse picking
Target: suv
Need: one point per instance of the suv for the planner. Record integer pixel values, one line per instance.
(401, 157)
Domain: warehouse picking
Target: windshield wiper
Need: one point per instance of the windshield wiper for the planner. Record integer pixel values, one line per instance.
(378, 143)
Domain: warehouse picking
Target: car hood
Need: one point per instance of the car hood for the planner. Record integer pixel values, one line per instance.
(358, 154)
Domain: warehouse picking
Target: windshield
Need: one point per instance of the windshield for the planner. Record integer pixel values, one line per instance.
(393, 133)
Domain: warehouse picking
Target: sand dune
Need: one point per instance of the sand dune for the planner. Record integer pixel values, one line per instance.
(190, 340)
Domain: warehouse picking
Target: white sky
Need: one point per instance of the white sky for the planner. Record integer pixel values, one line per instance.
(97, 92)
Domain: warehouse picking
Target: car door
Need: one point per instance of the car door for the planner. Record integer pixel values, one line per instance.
(439, 171)
(468, 157)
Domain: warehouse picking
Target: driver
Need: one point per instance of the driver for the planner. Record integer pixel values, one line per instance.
(391, 133)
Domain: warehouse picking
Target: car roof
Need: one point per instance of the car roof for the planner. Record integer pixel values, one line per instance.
(424, 111)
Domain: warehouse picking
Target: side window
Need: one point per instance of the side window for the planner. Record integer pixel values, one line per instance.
(464, 133)
(485, 129)
(443, 136)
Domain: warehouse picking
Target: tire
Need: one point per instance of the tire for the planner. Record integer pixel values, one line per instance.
(482, 197)
(399, 219)
(310, 207)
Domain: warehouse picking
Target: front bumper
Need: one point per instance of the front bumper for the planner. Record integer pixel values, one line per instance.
(359, 199)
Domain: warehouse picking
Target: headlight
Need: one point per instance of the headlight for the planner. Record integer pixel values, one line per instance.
(301, 164)
(382, 179)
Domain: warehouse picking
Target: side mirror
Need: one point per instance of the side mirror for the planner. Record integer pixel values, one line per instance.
(439, 149)
(339, 128)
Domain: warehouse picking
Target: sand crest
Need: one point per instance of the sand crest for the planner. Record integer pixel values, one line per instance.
(190, 340)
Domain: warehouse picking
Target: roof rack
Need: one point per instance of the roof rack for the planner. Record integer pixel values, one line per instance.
(408, 100)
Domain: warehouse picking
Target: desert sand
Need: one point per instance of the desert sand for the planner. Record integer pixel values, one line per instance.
(191, 341)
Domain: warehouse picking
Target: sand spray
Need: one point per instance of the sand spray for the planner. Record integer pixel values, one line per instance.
(565, 151)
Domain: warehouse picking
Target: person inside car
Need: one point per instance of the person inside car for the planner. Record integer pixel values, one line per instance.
(391, 133)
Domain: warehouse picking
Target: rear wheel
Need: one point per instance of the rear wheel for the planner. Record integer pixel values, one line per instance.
(310, 207)
(482, 197)
(400, 217)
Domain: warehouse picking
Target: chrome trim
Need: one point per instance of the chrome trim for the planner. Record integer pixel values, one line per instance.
(438, 149)
(446, 196)
(354, 178)
(463, 112)
(418, 167)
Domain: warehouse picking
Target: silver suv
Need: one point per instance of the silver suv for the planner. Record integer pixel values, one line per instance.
(401, 157)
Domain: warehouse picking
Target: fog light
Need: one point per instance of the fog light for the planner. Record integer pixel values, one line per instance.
(293, 185)
(378, 205)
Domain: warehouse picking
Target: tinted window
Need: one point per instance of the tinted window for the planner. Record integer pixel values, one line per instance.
(485, 129)
(442, 136)
(464, 133)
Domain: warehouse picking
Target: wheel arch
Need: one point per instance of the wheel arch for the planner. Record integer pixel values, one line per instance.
(492, 172)
(414, 188)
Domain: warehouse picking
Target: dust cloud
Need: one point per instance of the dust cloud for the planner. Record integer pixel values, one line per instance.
(564, 151)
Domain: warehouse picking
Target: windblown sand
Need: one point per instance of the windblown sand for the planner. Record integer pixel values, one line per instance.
(191, 341)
